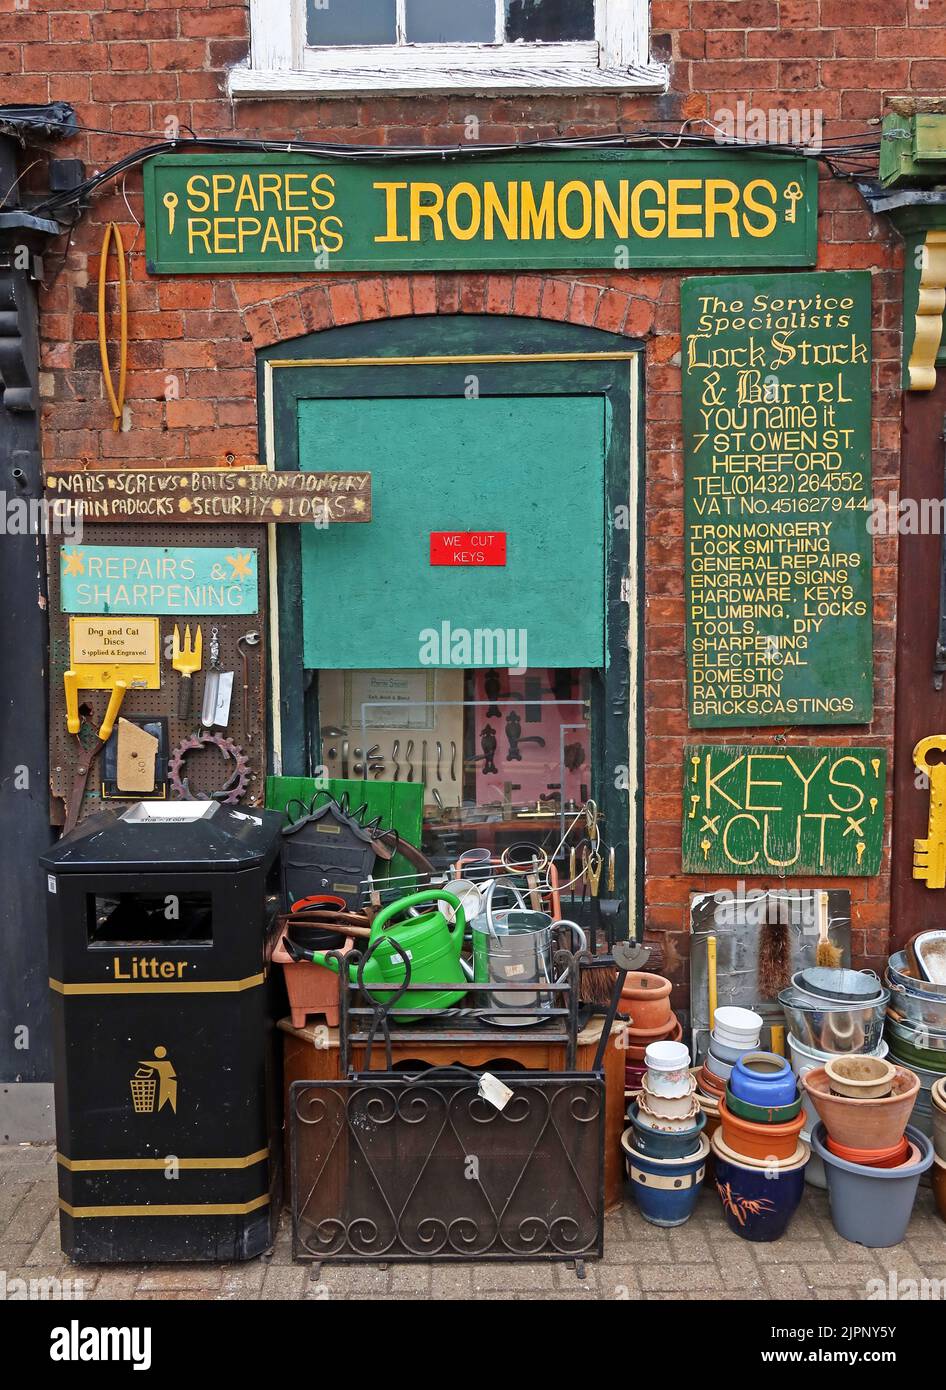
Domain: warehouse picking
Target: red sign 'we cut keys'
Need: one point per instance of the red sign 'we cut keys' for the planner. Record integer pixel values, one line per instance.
(468, 547)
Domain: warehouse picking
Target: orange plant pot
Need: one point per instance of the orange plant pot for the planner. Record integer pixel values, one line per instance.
(760, 1141)
(646, 998)
(891, 1157)
(938, 1179)
(312, 989)
(671, 1031)
(864, 1124)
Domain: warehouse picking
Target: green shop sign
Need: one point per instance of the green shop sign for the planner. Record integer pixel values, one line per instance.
(776, 438)
(611, 209)
(781, 810)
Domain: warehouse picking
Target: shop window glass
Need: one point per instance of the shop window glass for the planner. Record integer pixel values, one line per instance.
(549, 21)
(150, 919)
(330, 22)
(504, 757)
(451, 21)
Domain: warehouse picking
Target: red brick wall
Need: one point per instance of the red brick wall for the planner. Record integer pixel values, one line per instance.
(129, 65)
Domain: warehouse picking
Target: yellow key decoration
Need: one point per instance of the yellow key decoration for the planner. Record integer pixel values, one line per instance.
(929, 855)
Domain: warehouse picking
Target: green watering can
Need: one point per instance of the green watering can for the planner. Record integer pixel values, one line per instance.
(430, 942)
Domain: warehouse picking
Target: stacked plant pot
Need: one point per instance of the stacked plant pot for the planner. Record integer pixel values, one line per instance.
(758, 1152)
(831, 1013)
(873, 1158)
(915, 1030)
(645, 1001)
(938, 1173)
(664, 1146)
(735, 1032)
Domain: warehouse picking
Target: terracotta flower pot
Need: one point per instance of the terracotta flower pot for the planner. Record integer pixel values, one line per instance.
(860, 1077)
(646, 998)
(864, 1124)
(938, 1179)
(671, 1031)
(312, 989)
(710, 1084)
(759, 1140)
(938, 1097)
(872, 1158)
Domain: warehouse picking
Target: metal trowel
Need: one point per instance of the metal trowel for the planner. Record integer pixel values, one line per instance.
(218, 689)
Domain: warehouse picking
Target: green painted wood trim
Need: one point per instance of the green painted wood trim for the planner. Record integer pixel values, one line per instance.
(614, 720)
(399, 804)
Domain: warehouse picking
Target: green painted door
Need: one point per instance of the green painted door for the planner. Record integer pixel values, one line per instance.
(531, 466)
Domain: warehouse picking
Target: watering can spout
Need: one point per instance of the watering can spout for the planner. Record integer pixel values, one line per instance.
(323, 958)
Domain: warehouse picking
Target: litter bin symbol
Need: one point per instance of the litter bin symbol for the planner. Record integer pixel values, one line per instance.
(154, 1081)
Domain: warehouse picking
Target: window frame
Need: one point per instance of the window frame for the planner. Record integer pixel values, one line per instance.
(281, 64)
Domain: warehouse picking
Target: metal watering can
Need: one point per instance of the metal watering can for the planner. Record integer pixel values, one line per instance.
(515, 946)
(430, 942)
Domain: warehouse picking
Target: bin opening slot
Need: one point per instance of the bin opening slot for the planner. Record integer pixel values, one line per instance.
(150, 919)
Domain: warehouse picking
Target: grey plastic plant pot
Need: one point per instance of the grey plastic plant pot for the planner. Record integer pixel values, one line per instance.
(872, 1206)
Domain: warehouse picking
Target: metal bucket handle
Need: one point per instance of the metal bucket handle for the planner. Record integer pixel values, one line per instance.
(488, 900)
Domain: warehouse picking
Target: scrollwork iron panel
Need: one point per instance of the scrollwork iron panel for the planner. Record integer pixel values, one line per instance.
(422, 1168)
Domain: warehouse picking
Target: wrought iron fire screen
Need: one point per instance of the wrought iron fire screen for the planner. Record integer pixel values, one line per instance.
(421, 1167)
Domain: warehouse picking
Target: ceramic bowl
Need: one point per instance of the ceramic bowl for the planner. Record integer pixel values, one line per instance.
(717, 1066)
(761, 1114)
(668, 1107)
(666, 1083)
(666, 1189)
(763, 1141)
(668, 1056)
(666, 1143)
(710, 1084)
(758, 1204)
(859, 1077)
(725, 1051)
(737, 1027)
(763, 1078)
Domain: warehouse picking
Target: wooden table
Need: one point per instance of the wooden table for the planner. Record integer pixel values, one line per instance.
(312, 1054)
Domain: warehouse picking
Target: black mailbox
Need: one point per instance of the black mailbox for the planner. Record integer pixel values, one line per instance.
(167, 1096)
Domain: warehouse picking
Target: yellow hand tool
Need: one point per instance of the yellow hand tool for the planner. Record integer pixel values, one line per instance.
(88, 755)
(186, 658)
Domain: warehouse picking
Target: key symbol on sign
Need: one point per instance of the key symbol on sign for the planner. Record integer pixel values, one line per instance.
(170, 202)
(792, 194)
(929, 854)
(694, 802)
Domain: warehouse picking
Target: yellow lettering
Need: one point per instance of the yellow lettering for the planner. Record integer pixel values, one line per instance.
(246, 193)
(293, 194)
(198, 229)
(656, 220)
(718, 205)
(472, 193)
(431, 210)
(676, 209)
(198, 199)
(538, 221)
(574, 233)
(769, 218)
(390, 211)
(618, 216)
(508, 215)
(222, 185)
(323, 197)
(306, 226)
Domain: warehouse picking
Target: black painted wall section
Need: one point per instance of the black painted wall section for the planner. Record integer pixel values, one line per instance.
(24, 779)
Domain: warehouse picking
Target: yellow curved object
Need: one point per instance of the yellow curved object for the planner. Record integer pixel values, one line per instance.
(116, 400)
(111, 714)
(711, 979)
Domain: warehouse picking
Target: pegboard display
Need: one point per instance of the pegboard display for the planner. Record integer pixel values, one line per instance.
(206, 770)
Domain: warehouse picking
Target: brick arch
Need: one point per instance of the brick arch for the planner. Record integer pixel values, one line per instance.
(628, 306)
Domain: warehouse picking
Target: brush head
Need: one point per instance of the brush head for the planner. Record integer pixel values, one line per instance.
(829, 955)
(775, 959)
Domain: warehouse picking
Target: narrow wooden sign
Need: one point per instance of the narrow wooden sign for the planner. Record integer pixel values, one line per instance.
(225, 495)
(783, 810)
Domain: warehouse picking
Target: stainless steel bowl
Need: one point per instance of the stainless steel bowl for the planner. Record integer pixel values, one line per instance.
(837, 986)
(916, 1035)
(917, 1010)
(834, 1027)
(897, 974)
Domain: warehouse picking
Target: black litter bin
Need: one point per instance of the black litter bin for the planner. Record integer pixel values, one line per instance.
(163, 1014)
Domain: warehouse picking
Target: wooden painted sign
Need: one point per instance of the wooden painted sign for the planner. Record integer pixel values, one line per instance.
(468, 548)
(226, 495)
(609, 208)
(777, 438)
(120, 579)
(783, 810)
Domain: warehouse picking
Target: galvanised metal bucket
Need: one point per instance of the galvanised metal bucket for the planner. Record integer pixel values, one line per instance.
(515, 946)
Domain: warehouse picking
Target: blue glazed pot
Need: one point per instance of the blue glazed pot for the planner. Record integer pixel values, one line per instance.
(666, 1189)
(758, 1203)
(765, 1079)
(662, 1143)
